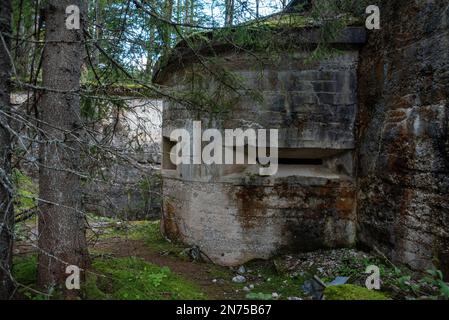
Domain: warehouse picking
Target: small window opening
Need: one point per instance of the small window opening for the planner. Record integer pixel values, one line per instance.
(301, 161)
(300, 156)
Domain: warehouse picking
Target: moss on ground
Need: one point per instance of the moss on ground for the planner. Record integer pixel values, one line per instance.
(134, 279)
(112, 278)
(352, 292)
(25, 275)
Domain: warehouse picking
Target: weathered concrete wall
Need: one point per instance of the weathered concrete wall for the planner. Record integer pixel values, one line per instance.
(403, 150)
(229, 211)
(312, 106)
(233, 224)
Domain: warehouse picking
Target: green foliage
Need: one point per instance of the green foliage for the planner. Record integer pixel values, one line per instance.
(26, 191)
(332, 17)
(23, 50)
(25, 270)
(135, 279)
(25, 274)
(352, 292)
(25, 200)
(399, 281)
(434, 278)
(216, 103)
(267, 40)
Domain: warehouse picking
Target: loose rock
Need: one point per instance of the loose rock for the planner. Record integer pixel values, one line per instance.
(239, 279)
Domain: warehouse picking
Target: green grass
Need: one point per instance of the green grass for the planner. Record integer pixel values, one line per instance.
(134, 279)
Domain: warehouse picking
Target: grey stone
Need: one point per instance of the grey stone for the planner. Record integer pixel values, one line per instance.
(239, 279)
(241, 270)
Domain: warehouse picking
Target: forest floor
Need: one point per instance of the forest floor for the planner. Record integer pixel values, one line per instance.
(132, 260)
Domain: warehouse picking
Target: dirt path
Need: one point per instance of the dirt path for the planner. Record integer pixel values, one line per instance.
(199, 273)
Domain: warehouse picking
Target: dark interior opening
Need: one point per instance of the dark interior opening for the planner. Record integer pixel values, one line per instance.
(299, 161)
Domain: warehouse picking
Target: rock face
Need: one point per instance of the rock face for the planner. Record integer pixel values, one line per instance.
(403, 139)
(125, 192)
(129, 186)
(234, 215)
(126, 186)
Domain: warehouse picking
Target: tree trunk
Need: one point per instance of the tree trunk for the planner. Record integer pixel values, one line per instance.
(150, 52)
(257, 8)
(229, 14)
(187, 11)
(166, 36)
(191, 15)
(98, 32)
(62, 231)
(6, 210)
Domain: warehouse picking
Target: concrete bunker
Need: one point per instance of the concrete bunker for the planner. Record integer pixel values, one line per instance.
(231, 212)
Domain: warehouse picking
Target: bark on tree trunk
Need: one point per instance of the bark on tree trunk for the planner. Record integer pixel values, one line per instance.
(229, 14)
(192, 12)
(257, 8)
(62, 231)
(6, 209)
(166, 36)
(150, 52)
(98, 31)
